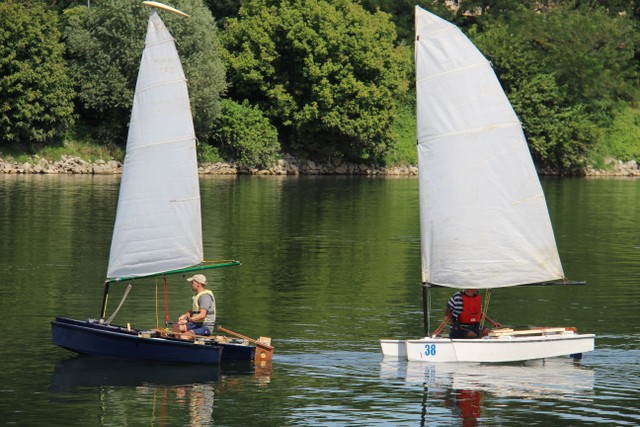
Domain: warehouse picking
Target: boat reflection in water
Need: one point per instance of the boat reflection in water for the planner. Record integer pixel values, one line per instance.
(462, 387)
(174, 394)
(82, 371)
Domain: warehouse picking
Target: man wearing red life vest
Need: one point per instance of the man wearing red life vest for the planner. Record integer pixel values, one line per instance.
(464, 311)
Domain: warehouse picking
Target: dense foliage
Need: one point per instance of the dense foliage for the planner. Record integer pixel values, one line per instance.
(553, 126)
(105, 44)
(35, 93)
(565, 94)
(243, 133)
(327, 78)
(327, 73)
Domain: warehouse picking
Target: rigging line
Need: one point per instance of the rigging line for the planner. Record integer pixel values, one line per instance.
(124, 297)
(166, 301)
(487, 298)
(484, 310)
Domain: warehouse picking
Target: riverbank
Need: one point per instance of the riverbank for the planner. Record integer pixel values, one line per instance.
(286, 166)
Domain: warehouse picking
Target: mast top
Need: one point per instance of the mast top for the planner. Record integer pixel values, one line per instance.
(163, 7)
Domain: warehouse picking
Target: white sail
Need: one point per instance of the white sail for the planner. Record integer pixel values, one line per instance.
(483, 216)
(158, 225)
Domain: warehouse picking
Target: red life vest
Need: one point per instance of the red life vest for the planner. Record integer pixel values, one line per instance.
(472, 310)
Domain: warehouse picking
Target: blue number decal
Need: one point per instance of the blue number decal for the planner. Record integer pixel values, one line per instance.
(430, 350)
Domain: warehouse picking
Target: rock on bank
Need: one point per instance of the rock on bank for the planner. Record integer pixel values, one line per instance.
(285, 166)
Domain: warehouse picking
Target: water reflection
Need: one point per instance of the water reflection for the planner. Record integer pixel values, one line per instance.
(165, 394)
(557, 378)
(199, 400)
(330, 266)
(81, 371)
(462, 388)
(465, 404)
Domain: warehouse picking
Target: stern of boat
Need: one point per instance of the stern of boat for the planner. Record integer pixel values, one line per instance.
(394, 348)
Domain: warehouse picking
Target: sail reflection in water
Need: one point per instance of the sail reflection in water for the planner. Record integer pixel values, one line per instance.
(463, 387)
(552, 378)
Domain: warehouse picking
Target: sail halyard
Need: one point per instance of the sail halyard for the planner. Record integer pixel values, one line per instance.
(158, 220)
(483, 216)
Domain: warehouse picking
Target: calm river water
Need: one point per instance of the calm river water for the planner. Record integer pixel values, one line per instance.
(330, 266)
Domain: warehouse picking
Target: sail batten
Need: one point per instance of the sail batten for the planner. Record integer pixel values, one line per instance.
(158, 224)
(169, 83)
(157, 143)
(483, 216)
(454, 70)
(471, 131)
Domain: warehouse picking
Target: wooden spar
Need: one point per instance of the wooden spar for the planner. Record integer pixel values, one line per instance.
(164, 7)
(534, 331)
(263, 351)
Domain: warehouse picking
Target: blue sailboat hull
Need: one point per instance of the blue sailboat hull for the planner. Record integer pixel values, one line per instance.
(92, 338)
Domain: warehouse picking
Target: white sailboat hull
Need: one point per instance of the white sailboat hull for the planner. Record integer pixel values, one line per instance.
(489, 349)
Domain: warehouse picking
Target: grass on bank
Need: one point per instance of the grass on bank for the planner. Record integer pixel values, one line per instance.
(621, 141)
(77, 143)
(405, 128)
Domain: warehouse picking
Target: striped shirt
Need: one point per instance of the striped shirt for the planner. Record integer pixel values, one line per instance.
(456, 305)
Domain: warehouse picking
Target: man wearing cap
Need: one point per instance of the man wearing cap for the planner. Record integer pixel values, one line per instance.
(201, 319)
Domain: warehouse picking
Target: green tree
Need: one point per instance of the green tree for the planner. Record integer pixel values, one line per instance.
(223, 9)
(244, 134)
(35, 92)
(589, 52)
(327, 74)
(556, 128)
(614, 7)
(105, 44)
(402, 13)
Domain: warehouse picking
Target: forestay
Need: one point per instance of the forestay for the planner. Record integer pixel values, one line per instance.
(483, 216)
(158, 226)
